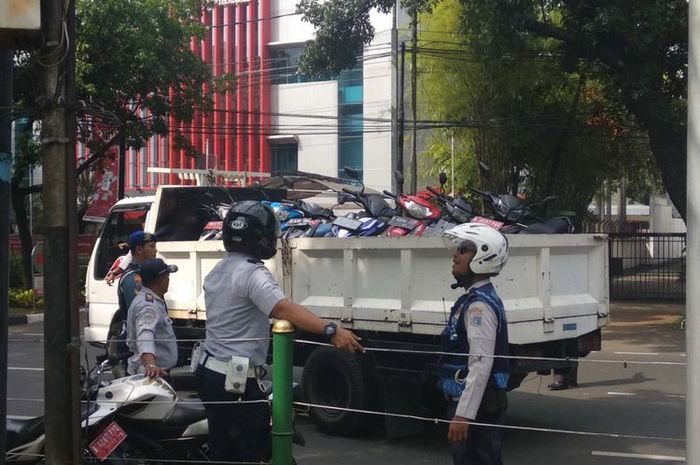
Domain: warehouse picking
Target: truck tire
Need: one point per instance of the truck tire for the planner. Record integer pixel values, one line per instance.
(338, 379)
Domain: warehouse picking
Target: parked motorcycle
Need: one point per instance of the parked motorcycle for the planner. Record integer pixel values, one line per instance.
(128, 418)
(418, 213)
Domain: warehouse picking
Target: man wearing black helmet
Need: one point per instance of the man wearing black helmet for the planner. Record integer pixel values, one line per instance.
(241, 295)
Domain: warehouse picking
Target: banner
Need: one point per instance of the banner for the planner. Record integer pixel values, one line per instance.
(105, 195)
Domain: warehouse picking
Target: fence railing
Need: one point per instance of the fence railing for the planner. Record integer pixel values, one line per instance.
(647, 266)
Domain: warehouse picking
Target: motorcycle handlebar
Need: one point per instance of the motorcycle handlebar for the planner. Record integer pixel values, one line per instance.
(433, 191)
(477, 191)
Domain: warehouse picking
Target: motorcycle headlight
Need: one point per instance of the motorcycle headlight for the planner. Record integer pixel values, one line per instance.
(416, 210)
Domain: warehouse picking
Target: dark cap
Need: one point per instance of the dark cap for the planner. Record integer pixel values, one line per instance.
(155, 268)
(139, 237)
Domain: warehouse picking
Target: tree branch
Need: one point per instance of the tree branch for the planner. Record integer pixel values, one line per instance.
(97, 155)
(585, 45)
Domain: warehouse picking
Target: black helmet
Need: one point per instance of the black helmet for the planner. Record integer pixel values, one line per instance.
(251, 227)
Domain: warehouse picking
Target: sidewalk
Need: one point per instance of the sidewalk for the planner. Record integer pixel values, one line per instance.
(28, 318)
(654, 326)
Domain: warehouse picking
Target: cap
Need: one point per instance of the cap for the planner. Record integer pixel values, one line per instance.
(140, 237)
(155, 268)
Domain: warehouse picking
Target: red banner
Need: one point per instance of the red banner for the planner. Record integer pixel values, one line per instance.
(85, 243)
(105, 195)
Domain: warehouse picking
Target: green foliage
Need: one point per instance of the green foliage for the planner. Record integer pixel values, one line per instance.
(569, 92)
(342, 28)
(24, 298)
(135, 56)
(15, 270)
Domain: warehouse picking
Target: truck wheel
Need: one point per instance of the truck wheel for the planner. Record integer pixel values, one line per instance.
(338, 379)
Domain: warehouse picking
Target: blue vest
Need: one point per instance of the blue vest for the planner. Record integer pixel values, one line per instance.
(453, 369)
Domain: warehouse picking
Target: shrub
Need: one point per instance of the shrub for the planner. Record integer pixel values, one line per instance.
(24, 298)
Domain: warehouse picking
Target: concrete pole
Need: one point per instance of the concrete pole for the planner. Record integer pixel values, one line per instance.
(61, 339)
(5, 164)
(452, 156)
(692, 305)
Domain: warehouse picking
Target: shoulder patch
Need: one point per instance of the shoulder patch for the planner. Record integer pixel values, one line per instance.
(148, 297)
(149, 316)
(475, 315)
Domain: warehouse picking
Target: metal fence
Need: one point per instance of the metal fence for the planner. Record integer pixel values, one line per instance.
(646, 266)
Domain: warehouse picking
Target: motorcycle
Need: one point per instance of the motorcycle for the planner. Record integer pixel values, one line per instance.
(212, 230)
(372, 221)
(128, 418)
(419, 213)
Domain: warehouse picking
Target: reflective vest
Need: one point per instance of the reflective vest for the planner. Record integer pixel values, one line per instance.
(453, 369)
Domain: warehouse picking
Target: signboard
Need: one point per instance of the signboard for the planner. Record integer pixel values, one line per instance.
(38, 286)
(105, 193)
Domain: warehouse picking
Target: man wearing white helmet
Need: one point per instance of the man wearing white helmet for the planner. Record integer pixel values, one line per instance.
(475, 386)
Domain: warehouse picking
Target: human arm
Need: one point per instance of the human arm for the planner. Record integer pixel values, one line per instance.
(482, 324)
(307, 321)
(151, 368)
(264, 292)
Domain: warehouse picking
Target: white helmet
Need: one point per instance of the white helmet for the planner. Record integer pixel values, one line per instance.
(491, 246)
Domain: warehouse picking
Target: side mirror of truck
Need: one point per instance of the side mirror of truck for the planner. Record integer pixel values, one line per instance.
(443, 179)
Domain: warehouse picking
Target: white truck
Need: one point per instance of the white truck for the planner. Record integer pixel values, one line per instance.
(392, 291)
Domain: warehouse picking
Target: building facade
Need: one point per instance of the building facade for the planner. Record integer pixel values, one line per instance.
(277, 119)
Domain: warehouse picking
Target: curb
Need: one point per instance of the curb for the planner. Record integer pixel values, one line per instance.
(17, 320)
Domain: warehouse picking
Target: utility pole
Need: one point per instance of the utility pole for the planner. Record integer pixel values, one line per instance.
(61, 340)
(395, 89)
(5, 167)
(402, 119)
(121, 181)
(414, 90)
(692, 302)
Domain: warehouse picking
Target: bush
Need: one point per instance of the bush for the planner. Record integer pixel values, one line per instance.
(24, 298)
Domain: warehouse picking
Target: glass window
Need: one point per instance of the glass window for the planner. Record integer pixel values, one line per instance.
(285, 66)
(284, 158)
(115, 231)
(350, 120)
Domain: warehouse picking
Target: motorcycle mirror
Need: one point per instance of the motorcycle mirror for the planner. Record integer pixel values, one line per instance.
(342, 198)
(442, 178)
(351, 173)
(484, 170)
(398, 175)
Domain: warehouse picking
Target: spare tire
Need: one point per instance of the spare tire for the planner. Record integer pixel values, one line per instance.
(338, 379)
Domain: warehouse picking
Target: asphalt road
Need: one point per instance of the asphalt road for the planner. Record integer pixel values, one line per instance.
(612, 398)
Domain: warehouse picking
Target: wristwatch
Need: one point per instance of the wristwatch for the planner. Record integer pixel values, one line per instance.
(329, 330)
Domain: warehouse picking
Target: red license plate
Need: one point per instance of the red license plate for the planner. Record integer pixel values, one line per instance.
(214, 226)
(107, 441)
(487, 221)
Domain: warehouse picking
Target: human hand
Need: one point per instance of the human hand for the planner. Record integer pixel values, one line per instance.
(459, 428)
(109, 279)
(346, 340)
(152, 371)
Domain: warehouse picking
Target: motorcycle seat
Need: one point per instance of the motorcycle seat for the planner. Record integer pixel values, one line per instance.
(185, 413)
(23, 431)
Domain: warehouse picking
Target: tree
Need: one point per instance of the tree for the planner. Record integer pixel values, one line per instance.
(635, 51)
(134, 71)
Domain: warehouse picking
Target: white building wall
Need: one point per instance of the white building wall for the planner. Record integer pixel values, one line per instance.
(318, 153)
(377, 105)
(317, 137)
